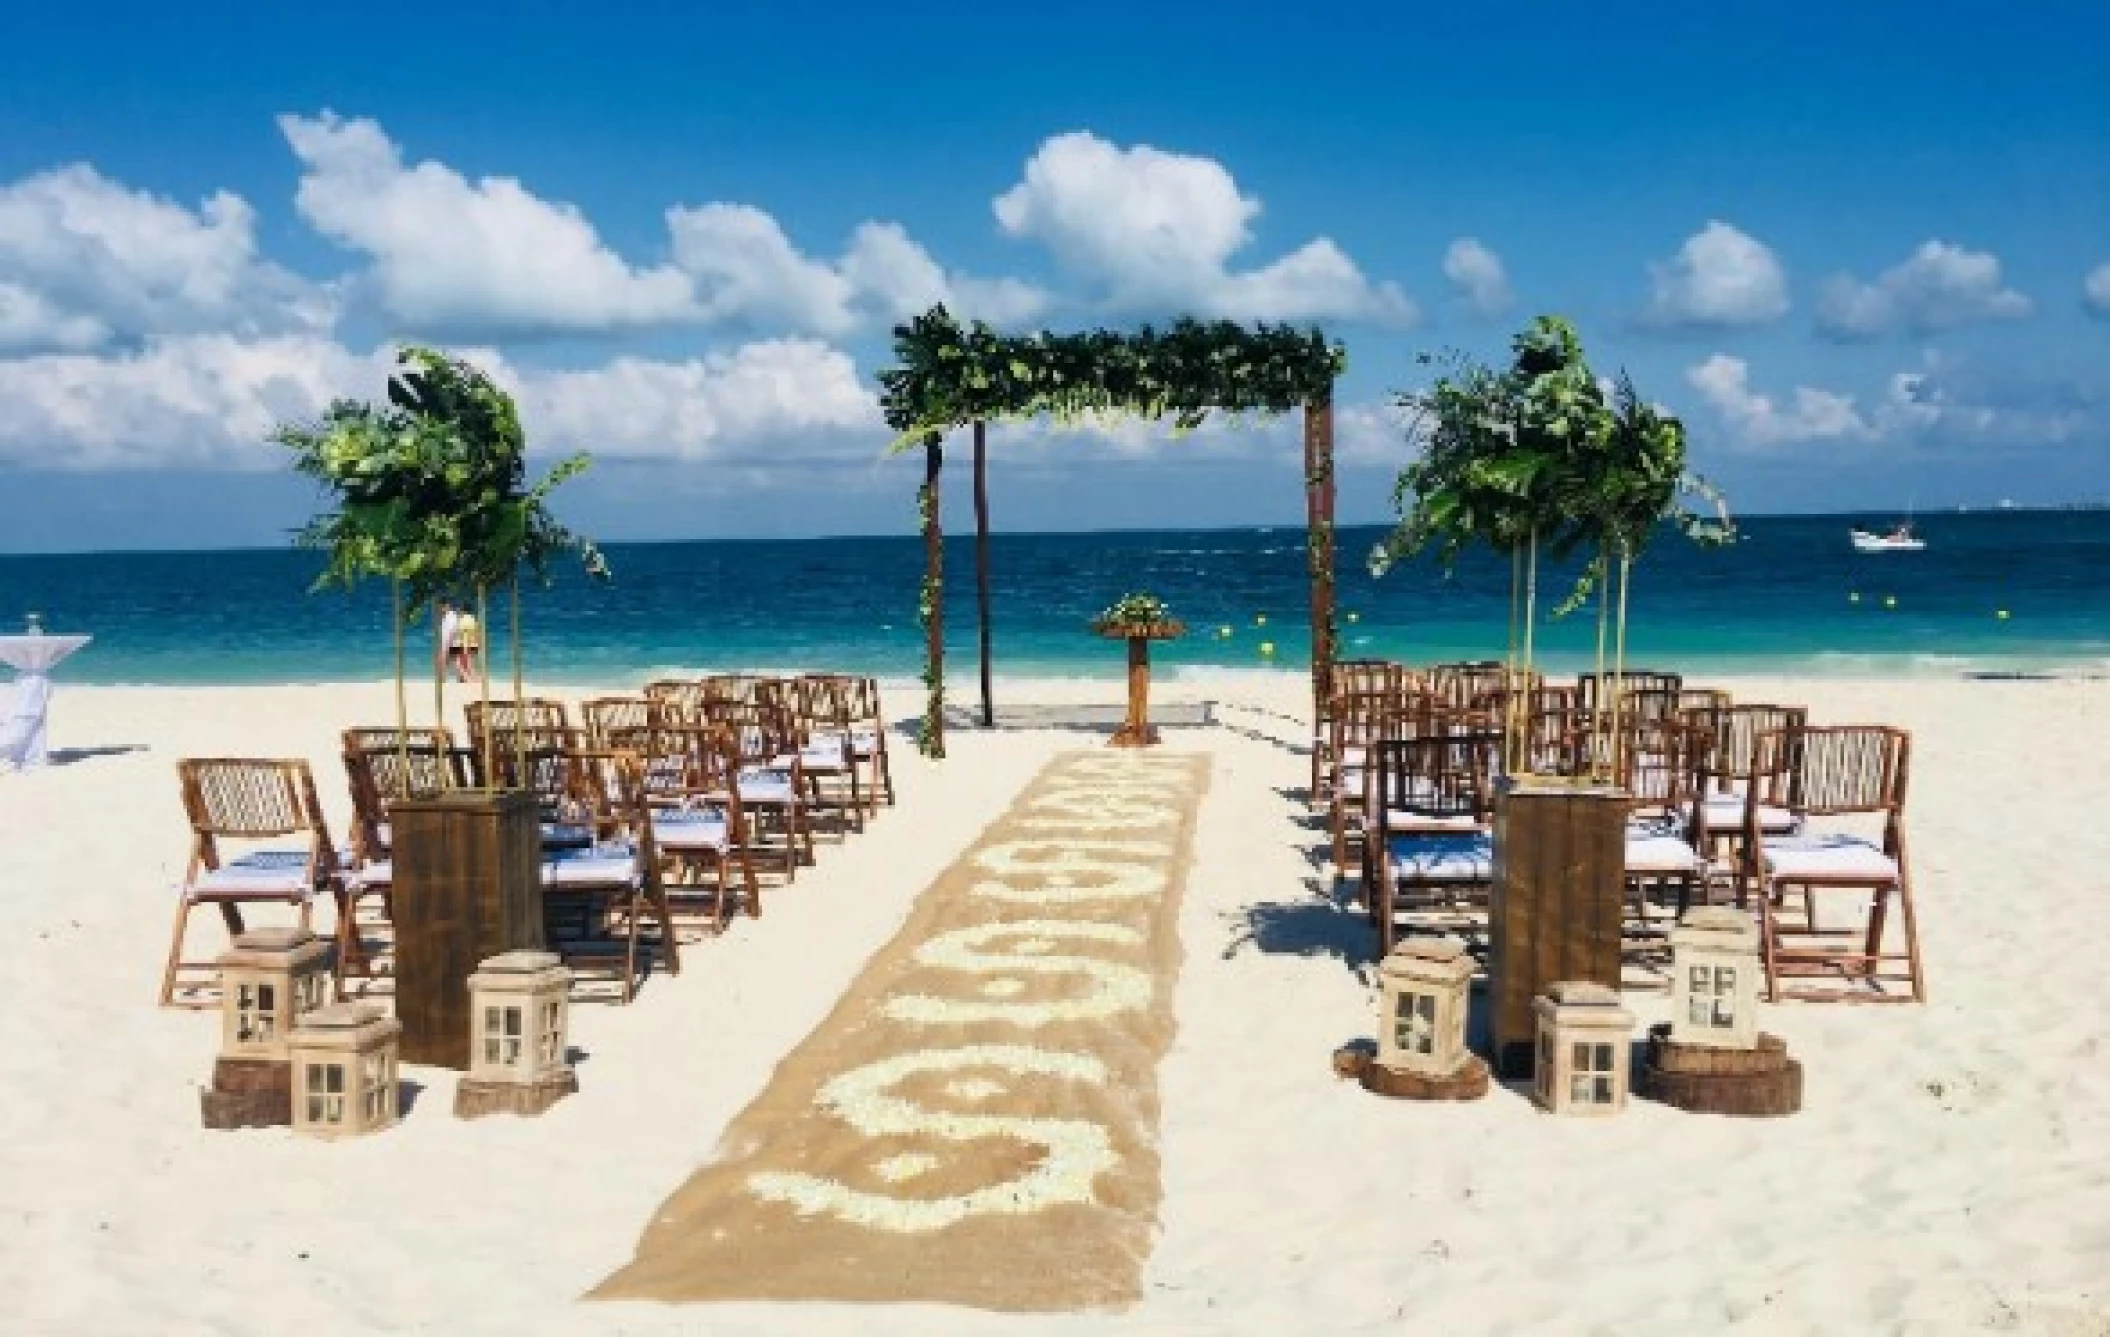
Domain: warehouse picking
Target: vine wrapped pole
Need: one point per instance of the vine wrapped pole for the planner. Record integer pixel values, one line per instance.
(981, 564)
(1318, 511)
(932, 741)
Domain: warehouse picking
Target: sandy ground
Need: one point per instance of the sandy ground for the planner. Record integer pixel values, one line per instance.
(1950, 1172)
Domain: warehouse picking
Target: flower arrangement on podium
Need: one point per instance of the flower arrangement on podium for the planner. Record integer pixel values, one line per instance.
(1144, 615)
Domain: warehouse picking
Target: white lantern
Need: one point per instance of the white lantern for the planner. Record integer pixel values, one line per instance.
(1714, 979)
(519, 1047)
(344, 1071)
(1422, 1006)
(269, 981)
(1581, 1062)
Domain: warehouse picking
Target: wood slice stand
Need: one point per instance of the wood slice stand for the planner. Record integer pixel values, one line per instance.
(1136, 730)
(248, 1093)
(468, 885)
(1469, 1082)
(1558, 901)
(474, 1099)
(1761, 1083)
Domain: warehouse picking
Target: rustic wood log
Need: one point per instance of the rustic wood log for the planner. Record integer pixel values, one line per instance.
(468, 885)
(1670, 1056)
(1350, 1059)
(1559, 887)
(1759, 1083)
(248, 1093)
(475, 1099)
(252, 1074)
(1469, 1082)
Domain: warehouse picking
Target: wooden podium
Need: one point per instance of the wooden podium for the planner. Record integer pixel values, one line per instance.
(1136, 729)
(1559, 890)
(468, 885)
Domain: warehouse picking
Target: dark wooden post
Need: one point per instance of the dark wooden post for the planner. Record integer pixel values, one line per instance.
(1556, 912)
(981, 564)
(932, 604)
(1318, 511)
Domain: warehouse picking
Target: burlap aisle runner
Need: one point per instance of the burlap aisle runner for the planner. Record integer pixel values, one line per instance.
(976, 1122)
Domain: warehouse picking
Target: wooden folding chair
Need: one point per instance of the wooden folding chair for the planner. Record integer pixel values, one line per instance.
(1659, 760)
(680, 700)
(1346, 676)
(537, 722)
(619, 723)
(245, 802)
(771, 780)
(597, 896)
(826, 720)
(1726, 742)
(698, 824)
(1832, 773)
(1427, 814)
(381, 766)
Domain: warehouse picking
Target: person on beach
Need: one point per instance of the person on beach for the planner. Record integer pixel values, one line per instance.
(459, 640)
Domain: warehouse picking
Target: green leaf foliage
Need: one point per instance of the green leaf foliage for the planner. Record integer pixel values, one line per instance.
(1539, 452)
(430, 486)
(948, 376)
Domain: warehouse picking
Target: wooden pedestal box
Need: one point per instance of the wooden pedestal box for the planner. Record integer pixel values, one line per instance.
(1560, 871)
(468, 885)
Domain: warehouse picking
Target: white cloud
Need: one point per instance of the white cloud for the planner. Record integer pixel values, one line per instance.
(1936, 404)
(1939, 287)
(1760, 420)
(774, 402)
(1157, 231)
(2095, 290)
(86, 263)
(211, 401)
(1720, 277)
(1478, 275)
(452, 256)
(202, 401)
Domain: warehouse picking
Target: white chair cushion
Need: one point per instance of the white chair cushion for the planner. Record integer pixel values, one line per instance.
(609, 865)
(766, 786)
(377, 873)
(1442, 858)
(1828, 856)
(1725, 812)
(267, 874)
(1405, 821)
(1654, 852)
(1350, 785)
(689, 830)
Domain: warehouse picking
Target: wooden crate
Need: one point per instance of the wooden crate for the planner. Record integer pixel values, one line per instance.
(1560, 868)
(468, 885)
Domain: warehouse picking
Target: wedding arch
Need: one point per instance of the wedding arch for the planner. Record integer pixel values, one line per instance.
(949, 377)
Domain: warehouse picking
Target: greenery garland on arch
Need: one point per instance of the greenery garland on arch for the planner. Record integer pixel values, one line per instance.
(950, 376)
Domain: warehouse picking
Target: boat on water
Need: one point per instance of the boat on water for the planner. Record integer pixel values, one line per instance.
(1899, 539)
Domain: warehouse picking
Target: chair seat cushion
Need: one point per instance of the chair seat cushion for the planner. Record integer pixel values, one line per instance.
(1655, 852)
(266, 874)
(763, 785)
(1725, 812)
(374, 873)
(1441, 857)
(683, 829)
(1405, 821)
(1829, 856)
(609, 865)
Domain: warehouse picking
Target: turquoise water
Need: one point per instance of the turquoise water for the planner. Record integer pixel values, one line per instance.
(1781, 601)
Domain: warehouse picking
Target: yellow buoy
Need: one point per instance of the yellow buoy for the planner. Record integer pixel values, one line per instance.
(1890, 601)
(1355, 617)
(1224, 633)
(2002, 615)
(1854, 598)
(1260, 619)
(1267, 647)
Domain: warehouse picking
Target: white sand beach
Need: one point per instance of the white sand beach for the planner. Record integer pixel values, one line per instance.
(1949, 1173)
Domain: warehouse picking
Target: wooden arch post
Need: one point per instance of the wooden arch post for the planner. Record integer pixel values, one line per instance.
(1318, 512)
(933, 601)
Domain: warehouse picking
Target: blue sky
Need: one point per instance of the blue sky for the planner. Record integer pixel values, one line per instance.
(1863, 249)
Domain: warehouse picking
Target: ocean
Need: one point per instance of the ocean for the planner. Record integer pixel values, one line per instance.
(1792, 597)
